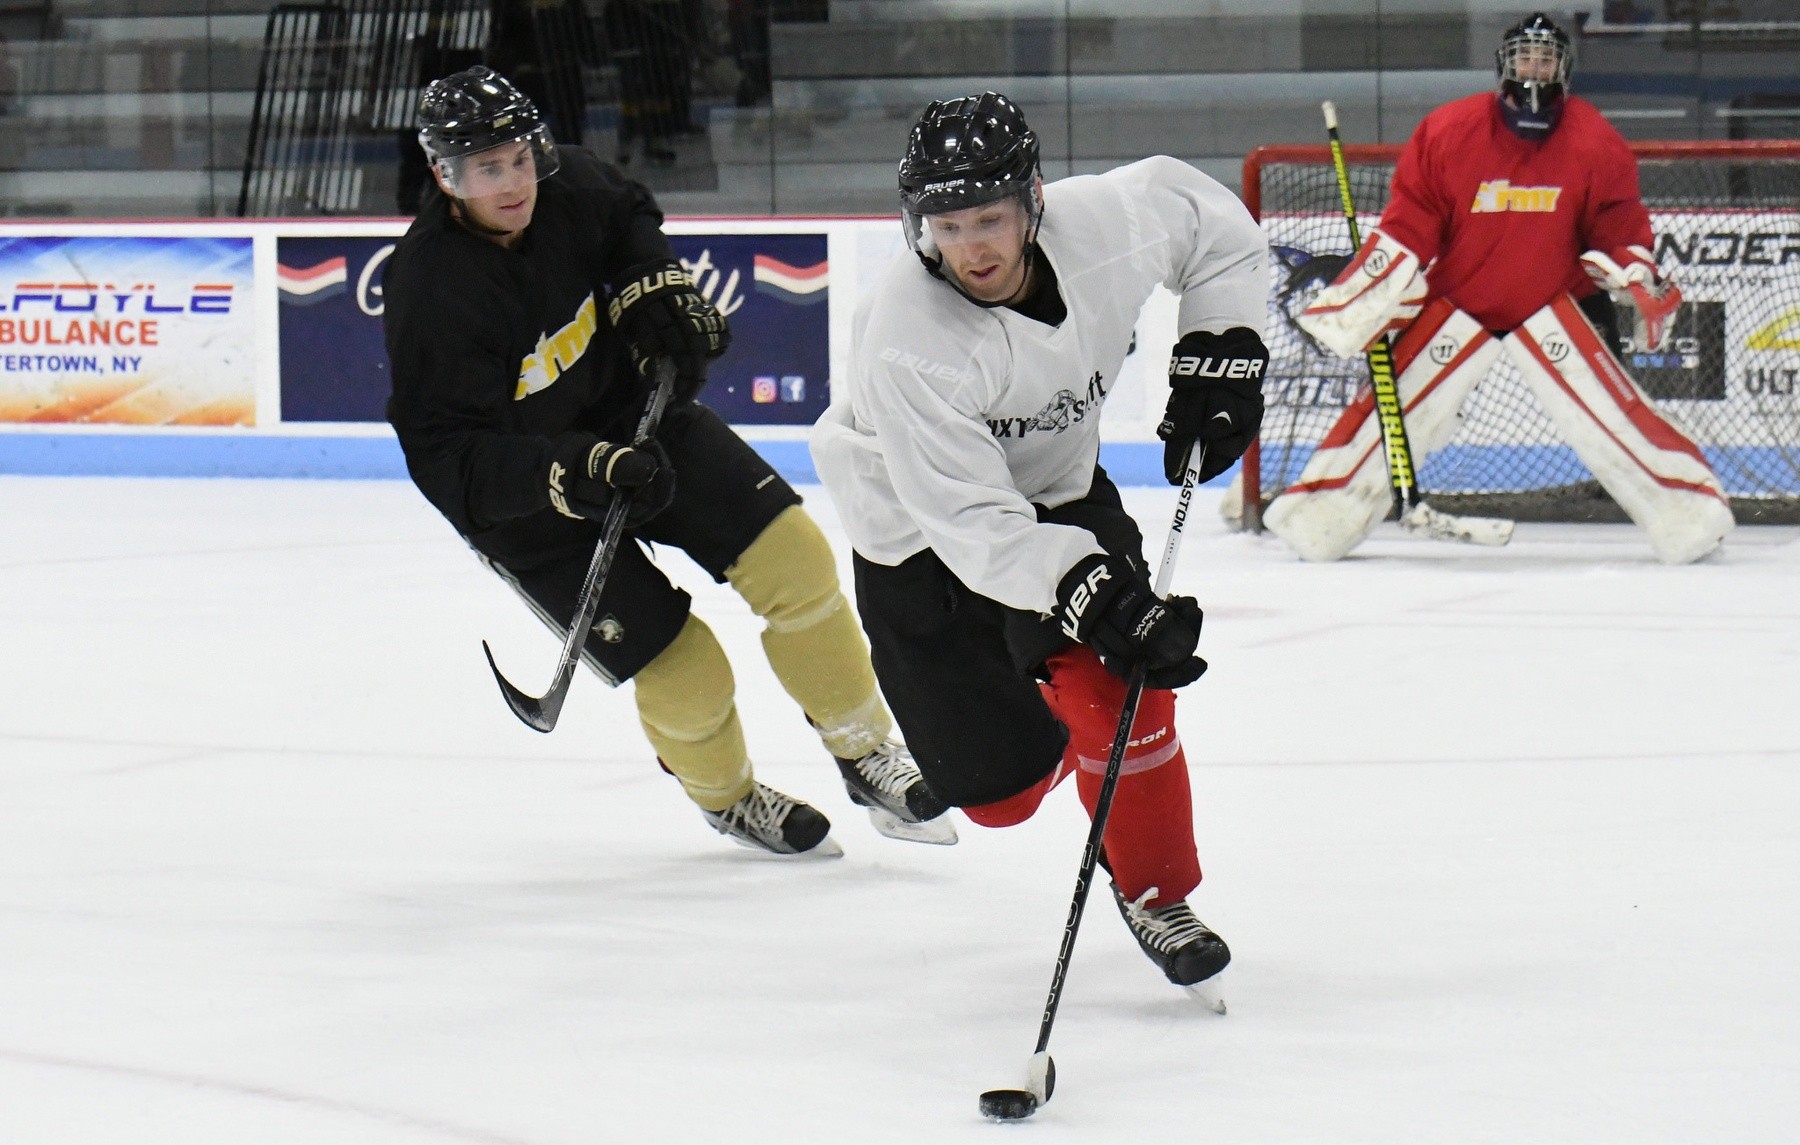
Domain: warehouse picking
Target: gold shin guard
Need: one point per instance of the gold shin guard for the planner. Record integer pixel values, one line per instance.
(789, 578)
(684, 700)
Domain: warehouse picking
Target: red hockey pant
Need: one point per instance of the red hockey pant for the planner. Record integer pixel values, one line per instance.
(1149, 840)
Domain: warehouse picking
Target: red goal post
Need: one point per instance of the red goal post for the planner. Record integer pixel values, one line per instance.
(1727, 222)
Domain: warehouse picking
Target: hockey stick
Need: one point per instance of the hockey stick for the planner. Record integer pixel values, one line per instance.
(1040, 1070)
(540, 712)
(1409, 505)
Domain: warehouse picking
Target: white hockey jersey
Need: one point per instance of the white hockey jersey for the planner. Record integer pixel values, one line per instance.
(955, 419)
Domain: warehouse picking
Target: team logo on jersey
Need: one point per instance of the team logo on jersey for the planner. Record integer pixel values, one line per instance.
(1499, 196)
(557, 352)
(1062, 411)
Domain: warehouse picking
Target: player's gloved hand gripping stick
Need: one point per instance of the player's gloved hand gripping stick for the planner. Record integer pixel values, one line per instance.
(1414, 514)
(540, 712)
(1040, 1070)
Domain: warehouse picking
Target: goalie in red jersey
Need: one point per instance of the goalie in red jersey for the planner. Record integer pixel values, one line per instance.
(1514, 221)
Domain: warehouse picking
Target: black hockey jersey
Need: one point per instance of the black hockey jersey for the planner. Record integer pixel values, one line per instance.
(496, 351)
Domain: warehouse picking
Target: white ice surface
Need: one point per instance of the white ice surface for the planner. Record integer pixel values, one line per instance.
(1504, 843)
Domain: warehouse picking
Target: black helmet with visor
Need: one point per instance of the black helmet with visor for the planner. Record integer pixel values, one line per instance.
(465, 116)
(966, 153)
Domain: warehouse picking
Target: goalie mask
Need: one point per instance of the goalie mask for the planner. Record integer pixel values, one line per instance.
(965, 154)
(1534, 62)
(466, 122)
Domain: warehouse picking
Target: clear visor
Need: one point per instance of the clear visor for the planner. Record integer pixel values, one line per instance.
(1528, 61)
(512, 166)
(1005, 222)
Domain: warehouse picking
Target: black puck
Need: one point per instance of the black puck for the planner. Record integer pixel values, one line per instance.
(1008, 1104)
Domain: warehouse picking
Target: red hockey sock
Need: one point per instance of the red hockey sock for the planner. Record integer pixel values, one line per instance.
(1015, 809)
(1150, 831)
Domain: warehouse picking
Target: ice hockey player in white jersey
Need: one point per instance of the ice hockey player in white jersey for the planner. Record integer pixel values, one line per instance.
(999, 577)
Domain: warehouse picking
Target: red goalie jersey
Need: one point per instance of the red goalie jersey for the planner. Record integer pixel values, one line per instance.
(1506, 219)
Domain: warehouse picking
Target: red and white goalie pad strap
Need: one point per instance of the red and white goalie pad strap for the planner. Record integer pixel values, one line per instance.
(1655, 299)
(1655, 473)
(1345, 489)
(1381, 290)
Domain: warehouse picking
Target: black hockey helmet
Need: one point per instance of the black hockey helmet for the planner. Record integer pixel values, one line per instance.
(477, 110)
(964, 153)
(1535, 40)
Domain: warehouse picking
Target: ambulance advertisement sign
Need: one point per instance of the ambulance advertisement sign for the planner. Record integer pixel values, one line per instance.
(127, 330)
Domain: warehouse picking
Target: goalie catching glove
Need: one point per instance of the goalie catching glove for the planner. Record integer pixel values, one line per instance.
(1655, 299)
(588, 474)
(660, 314)
(1215, 396)
(1107, 604)
(1380, 292)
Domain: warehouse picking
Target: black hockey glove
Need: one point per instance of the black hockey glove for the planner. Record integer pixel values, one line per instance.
(1109, 606)
(1215, 396)
(586, 474)
(656, 309)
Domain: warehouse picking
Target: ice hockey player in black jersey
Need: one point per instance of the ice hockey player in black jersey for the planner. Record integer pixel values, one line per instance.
(999, 577)
(525, 309)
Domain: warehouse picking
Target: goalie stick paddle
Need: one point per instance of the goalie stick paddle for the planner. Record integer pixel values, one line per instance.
(540, 712)
(1040, 1070)
(1414, 514)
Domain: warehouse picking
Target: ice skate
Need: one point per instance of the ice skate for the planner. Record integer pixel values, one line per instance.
(901, 806)
(1183, 947)
(767, 820)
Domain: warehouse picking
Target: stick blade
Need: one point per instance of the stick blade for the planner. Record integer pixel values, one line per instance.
(531, 710)
(1440, 526)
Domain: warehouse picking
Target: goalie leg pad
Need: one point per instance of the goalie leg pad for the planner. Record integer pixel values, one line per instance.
(789, 578)
(1344, 489)
(1655, 473)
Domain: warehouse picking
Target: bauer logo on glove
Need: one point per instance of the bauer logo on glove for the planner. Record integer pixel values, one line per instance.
(1215, 397)
(660, 314)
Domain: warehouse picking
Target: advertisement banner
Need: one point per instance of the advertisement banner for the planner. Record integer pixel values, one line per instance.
(334, 364)
(775, 292)
(773, 289)
(127, 330)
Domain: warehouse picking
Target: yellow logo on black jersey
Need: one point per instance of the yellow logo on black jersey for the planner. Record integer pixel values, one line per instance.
(558, 351)
(1500, 195)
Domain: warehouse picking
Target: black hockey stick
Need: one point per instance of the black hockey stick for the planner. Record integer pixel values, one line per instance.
(540, 712)
(1409, 505)
(1040, 1070)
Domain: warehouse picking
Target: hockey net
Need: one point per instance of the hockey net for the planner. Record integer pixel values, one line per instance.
(1727, 222)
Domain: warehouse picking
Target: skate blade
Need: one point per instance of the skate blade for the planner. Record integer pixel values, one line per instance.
(1207, 994)
(826, 848)
(940, 831)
